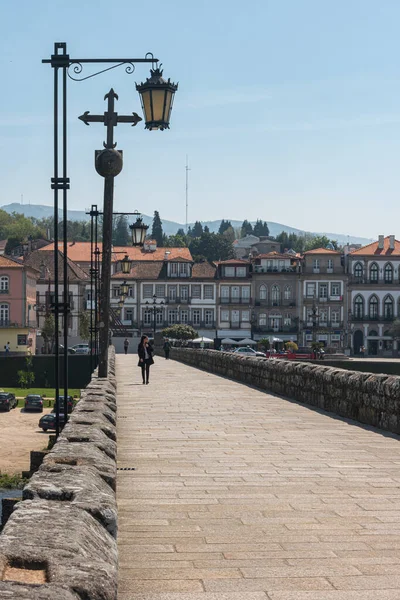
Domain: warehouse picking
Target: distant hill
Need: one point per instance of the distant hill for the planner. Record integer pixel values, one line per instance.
(40, 211)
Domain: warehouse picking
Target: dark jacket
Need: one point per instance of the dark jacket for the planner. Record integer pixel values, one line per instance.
(141, 354)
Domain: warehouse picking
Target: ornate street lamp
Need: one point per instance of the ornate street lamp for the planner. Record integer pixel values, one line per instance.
(138, 230)
(126, 265)
(157, 97)
(124, 288)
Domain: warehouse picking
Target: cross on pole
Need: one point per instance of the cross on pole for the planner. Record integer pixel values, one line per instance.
(110, 118)
(108, 164)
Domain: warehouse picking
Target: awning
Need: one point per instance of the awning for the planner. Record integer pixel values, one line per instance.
(247, 342)
(228, 341)
(201, 340)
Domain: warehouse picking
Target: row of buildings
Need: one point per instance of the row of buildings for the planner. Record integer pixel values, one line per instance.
(346, 301)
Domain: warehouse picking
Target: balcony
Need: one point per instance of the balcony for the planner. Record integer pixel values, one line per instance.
(258, 269)
(273, 303)
(5, 291)
(272, 330)
(178, 300)
(375, 318)
(235, 300)
(207, 325)
(322, 299)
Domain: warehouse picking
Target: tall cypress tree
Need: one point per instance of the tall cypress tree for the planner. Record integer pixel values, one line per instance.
(157, 233)
(224, 226)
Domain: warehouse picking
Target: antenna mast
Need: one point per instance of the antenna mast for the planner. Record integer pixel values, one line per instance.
(187, 192)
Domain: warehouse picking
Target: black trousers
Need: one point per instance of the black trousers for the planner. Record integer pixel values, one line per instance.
(145, 369)
(126, 349)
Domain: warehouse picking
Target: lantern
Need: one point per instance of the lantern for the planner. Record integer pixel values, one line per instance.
(124, 288)
(157, 97)
(126, 265)
(138, 232)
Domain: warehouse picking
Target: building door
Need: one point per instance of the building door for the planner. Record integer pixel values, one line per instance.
(373, 344)
(358, 341)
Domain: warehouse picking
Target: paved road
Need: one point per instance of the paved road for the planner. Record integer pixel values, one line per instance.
(240, 495)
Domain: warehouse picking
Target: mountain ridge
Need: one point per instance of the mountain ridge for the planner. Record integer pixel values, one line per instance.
(40, 211)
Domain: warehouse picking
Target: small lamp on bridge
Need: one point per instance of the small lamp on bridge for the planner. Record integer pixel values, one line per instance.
(124, 288)
(157, 95)
(138, 230)
(126, 265)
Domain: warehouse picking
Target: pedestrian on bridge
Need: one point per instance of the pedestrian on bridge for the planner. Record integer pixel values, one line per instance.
(145, 352)
(167, 348)
(126, 345)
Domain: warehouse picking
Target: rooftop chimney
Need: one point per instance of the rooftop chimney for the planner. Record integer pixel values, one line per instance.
(391, 242)
(381, 239)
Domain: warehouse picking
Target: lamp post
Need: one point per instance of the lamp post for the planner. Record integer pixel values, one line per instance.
(156, 116)
(156, 308)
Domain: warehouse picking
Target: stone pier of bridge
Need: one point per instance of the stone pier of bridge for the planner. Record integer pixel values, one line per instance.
(237, 494)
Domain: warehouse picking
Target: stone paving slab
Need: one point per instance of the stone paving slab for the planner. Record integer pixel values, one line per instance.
(241, 495)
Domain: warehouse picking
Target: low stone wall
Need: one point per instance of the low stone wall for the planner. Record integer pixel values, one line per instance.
(60, 541)
(366, 397)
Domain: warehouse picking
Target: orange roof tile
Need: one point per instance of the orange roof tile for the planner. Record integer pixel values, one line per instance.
(275, 255)
(374, 250)
(79, 252)
(322, 251)
(232, 261)
(10, 263)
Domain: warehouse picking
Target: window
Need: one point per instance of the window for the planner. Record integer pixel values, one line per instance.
(310, 290)
(246, 293)
(330, 263)
(246, 316)
(323, 290)
(235, 292)
(287, 320)
(22, 339)
(116, 291)
(275, 322)
(263, 292)
(172, 317)
(4, 313)
(208, 292)
(129, 314)
(358, 270)
(183, 269)
(388, 273)
(275, 295)
(240, 271)
(196, 317)
(209, 317)
(323, 316)
(4, 283)
(316, 263)
(373, 273)
(196, 291)
(358, 307)
(173, 269)
(147, 317)
(160, 291)
(287, 294)
(229, 271)
(335, 289)
(373, 308)
(262, 319)
(184, 317)
(184, 292)
(224, 315)
(131, 291)
(147, 291)
(172, 292)
(388, 308)
(335, 317)
(225, 293)
(235, 317)
(160, 317)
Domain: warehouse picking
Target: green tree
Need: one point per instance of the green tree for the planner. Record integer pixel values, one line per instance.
(26, 377)
(291, 346)
(84, 325)
(181, 232)
(211, 246)
(176, 241)
(264, 343)
(319, 241)
(120, 235)
(179, 332)
(246, 229)
(224, 226)
(48, 333)
(394, 329)
(229, 234)
(157, 230)
(261, 228)
(197, 229)
(206, 229)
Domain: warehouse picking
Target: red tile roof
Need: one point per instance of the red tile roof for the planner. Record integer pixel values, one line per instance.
(203, 270)
(80, 252)
(232, 261)
(374, 250)
(10, 263)
(142, 270)
(275, 255)
(321, 251)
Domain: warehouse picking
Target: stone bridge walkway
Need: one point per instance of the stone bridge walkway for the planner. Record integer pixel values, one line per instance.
(240, 495)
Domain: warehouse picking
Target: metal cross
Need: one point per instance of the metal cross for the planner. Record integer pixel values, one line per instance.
(110, 119)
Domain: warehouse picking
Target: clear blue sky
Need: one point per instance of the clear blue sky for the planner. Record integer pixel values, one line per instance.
(288, 109)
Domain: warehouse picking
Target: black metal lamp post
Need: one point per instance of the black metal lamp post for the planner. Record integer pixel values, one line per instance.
(61, 61)
(126, 264)
(157, 96)
(156, 308)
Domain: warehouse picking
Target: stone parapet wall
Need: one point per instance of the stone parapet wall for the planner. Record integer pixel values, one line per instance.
(365, 397)
(60, 541)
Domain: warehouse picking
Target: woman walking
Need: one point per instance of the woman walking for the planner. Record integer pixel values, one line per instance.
(145, 352)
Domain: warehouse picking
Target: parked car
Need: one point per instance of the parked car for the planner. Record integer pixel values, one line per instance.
(81, 348)
(49, 421)
(7, 401)
(249, 351)
(34, 402)
(61, 350)
(70, 404)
